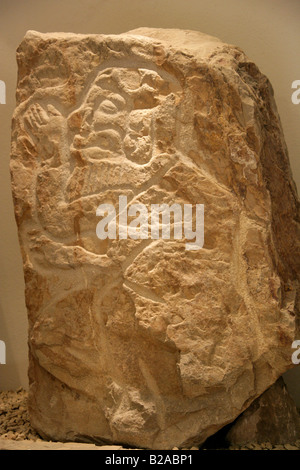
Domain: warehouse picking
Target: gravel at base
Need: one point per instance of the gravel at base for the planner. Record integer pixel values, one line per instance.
(16, 432)
(14, 420)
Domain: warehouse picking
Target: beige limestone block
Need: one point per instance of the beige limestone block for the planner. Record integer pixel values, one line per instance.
(140, 341)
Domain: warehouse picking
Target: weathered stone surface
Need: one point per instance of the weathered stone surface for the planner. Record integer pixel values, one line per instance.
(272, 417)
(144, 342)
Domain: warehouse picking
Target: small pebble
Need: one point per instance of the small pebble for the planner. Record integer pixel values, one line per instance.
(290, 447)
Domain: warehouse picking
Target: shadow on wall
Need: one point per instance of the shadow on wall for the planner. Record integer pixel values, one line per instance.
(292, 381)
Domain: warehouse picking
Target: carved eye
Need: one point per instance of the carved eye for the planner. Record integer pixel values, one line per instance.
(108, 107)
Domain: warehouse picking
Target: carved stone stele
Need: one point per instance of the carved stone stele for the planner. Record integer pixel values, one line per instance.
(141, 341)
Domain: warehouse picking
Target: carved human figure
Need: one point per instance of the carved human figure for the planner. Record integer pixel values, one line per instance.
(107, 143)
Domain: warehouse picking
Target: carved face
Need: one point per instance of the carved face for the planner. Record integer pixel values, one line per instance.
(117, 117)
